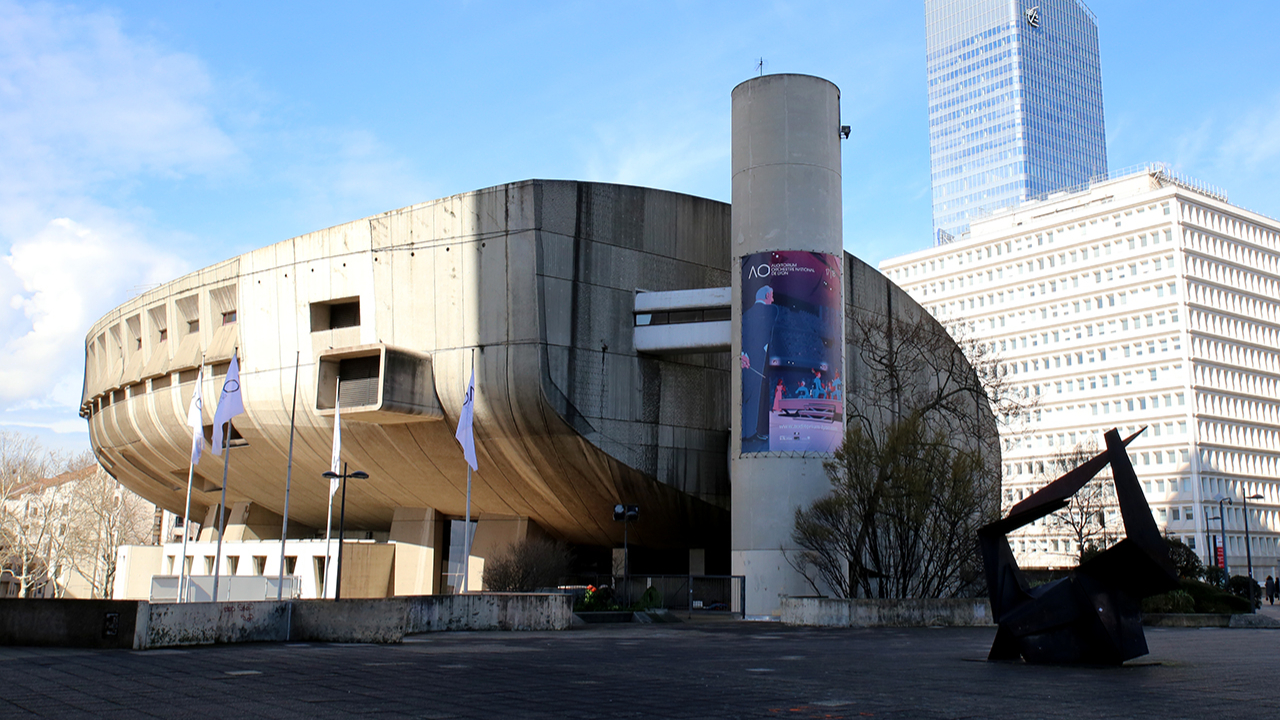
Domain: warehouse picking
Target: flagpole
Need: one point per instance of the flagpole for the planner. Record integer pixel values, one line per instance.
(197, 437)
(328, 528)
(230, 404)
(186, 530)
(222, 511)
(466, 528)
(288, 477)
(333, 467)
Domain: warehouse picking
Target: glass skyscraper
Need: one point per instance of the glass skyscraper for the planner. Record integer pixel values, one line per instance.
(1015, 104)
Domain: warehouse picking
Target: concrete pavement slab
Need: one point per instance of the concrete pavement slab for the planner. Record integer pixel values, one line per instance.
(720, 670)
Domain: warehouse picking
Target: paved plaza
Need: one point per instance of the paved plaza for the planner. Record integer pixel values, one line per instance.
(688, 670)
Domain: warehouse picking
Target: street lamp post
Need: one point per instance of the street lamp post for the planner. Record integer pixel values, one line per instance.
(626, 513)
(1248, 551)
(342, 520)
(1226, 575)
(1213, 541)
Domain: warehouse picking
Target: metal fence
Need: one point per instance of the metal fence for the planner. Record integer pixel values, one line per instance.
(231, 588)
(683, 593)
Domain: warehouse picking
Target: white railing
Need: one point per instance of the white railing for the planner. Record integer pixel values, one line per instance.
(231, 588)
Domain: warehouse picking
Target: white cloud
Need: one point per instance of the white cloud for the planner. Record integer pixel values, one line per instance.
(86, 113)
(68, 273)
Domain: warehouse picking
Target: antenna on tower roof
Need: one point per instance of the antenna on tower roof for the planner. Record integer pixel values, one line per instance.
(760, 66)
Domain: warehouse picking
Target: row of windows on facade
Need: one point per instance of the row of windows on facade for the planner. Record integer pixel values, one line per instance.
(1093, 354)
(324, 316)
(232, 567)
(1262, 547)
(1067, 439)
(1148, 295)
(1238, 229)
(969, 49)
(1029, 244)
(975, 131)
(986, 104)
(1248, 331)
(973, 180)
(972, 99)
(1049, 262)
(1251, 281)
(996, 152)
(127, 338)
(1218, 351)
(1101, 382)
(339, 314)
(962, 20)
(1243, 463)
(952, 154)
(1138, 459)
(977, 72)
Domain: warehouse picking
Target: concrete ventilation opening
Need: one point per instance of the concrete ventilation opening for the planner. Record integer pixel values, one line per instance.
(335, 314)
(376, 383)
(358, 381)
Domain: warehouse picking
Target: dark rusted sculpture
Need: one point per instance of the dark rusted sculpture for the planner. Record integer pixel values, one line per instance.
(1093, 615)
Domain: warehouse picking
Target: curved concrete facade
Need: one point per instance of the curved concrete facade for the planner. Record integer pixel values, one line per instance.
(538, 280)
(537, 277)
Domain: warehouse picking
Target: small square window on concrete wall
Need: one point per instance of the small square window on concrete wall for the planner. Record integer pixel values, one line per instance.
(335, 314)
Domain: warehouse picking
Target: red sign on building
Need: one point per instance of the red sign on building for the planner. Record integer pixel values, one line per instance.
(1222, 559)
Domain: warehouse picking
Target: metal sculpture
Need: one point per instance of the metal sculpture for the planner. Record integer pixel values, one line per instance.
(1093, 615)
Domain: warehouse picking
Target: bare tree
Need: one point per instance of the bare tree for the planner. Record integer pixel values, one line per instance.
(918, 471)
(527, 565)
(62, 516)
(107, 516)
(1085, 518)
(31, 551)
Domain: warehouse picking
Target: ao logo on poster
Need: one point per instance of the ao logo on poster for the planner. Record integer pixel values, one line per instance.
(792, 342)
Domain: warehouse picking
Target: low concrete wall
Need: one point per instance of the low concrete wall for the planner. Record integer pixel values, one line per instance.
(490, 611)
(374, 620)
(140, 625)
(910, 612)
(73, 623)
(207, 623)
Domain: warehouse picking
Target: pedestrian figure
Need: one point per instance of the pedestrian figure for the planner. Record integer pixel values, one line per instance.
(1271, 591)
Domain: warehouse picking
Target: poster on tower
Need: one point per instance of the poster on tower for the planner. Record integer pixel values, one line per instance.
(792, 343)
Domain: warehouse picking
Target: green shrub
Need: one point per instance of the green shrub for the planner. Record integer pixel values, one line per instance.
(1214, 576)
(1174, 601)
(1185, 560)
(650, 599)
(1209, 599)
(1247, 588)
(596, 600)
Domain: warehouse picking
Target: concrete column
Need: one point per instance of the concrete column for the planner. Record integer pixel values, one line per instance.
(418, 534)
(494, 535)
(697, 561)
(786, 201)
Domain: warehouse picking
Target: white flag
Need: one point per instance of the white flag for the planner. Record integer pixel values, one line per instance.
(335, 463)
(464, 435)
(195, 418)
(230, 404)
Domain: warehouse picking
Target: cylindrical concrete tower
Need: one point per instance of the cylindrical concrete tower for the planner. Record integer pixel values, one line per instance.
(788, 317)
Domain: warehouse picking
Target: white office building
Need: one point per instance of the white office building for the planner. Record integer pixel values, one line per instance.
(1144, 300)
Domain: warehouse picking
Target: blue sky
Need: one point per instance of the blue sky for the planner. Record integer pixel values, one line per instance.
(139, 141)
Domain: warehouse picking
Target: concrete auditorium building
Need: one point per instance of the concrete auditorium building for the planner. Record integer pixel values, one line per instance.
(613, 332)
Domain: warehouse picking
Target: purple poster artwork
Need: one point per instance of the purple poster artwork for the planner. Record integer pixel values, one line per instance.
(792, 389)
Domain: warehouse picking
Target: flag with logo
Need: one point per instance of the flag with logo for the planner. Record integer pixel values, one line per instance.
(464, 434)
(195, 418)
(230, 404)
(335, 463)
